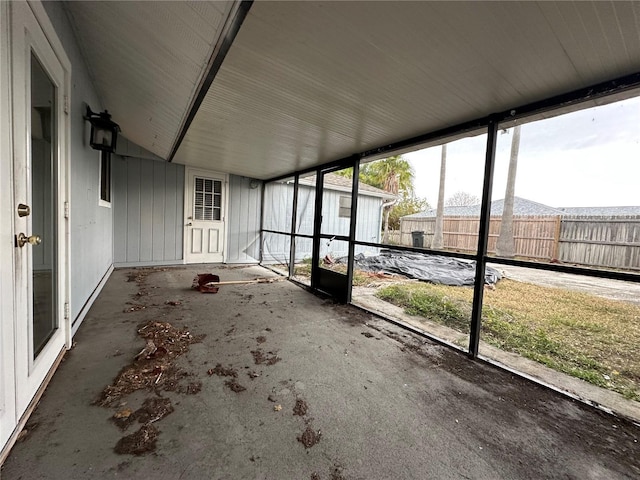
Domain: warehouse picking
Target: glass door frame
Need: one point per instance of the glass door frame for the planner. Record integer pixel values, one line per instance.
(33, 34)
(327, 281)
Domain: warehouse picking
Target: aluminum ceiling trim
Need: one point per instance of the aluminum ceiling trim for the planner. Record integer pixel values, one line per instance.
(306, 83)
(228, 35)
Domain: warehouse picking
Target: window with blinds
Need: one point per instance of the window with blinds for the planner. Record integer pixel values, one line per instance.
(208, 199)
(344, 207)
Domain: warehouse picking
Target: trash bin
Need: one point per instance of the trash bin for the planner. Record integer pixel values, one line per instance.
(418, 239)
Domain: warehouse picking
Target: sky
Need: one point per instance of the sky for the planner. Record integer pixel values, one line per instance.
(585, 158)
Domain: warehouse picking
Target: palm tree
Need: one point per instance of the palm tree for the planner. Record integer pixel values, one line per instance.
(438, 237)
(505, 246)
(392, 174)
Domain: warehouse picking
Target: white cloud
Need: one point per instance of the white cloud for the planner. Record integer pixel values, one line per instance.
(586, 158)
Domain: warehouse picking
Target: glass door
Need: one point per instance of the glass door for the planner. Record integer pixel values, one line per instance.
(39, 145)
(331, 273)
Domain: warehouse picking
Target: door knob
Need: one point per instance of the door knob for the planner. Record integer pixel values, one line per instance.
(189, 224)
(22, 240)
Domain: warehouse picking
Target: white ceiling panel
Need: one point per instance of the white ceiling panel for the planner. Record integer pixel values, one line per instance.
(309, 82)
(305, 83)
(147, 59)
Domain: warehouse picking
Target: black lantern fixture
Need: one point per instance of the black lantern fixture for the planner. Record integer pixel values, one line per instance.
(104, 132)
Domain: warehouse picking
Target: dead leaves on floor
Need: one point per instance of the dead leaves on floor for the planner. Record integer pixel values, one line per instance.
(152, 369)
(152, 410)
(140, 442)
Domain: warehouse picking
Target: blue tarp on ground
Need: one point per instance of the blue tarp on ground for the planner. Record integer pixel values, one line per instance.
(430, 268)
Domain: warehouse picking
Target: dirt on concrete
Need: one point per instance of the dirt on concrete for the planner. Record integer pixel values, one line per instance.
(153, 367)
(221, 371)
(300, 408)
(191, 388)
(400, 407)
(336, 473)
(138, 443)
(152, 410)
(309, 437)
(269, 358)
(234, 386)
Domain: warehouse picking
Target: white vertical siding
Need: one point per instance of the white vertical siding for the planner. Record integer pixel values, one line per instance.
(369, 222)
(278, 204)
(243, 224)
(278, 217)
(148, 204)
(305, 215)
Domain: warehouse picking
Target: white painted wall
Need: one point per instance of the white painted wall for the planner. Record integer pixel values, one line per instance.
(148, 209)
(278, 202)
(91, 226)
(243, 222)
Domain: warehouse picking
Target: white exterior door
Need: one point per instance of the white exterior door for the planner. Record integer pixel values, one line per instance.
(205, 205)
(40, 132)
(7, 342)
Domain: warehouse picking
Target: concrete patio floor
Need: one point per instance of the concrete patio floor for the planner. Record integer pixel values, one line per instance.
(388, 404)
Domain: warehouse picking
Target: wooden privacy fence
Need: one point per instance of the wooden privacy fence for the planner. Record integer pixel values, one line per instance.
(535, 237)
(596, 241)
(612, 241)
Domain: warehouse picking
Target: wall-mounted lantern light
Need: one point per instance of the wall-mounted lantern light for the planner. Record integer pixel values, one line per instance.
(104, 132)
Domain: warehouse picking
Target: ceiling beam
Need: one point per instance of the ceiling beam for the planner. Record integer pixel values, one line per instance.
(214, 65)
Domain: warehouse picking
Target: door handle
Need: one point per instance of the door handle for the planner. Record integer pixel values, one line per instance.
(189, 224)
(22, 240)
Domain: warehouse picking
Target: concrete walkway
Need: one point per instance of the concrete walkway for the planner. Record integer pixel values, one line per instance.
(601, 287)
(380, 403)
(608, 400)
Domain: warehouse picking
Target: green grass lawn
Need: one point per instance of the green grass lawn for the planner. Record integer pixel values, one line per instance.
(585, 336)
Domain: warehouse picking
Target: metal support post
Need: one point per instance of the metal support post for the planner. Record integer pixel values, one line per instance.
(483, 239)
(352, 224)
(292, 237)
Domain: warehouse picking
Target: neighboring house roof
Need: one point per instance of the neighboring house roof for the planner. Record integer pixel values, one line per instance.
(600, 211)
(521, 207)
(333, 181)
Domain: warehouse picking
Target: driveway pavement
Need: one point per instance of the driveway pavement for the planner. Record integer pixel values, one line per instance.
(602, 287)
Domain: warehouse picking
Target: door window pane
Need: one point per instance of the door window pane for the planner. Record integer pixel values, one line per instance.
(208, 199)
(43, 205)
